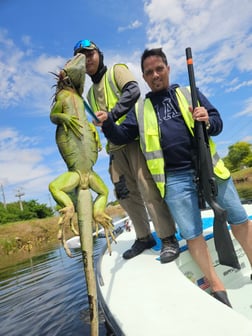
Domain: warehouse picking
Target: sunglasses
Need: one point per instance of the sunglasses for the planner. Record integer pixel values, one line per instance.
(82, 44)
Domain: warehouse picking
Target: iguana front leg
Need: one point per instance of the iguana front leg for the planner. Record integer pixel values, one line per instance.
(68, 121)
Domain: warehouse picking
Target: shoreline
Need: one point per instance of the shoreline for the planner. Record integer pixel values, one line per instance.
(20, 241)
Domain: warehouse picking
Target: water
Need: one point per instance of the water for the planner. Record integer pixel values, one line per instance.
(46, 296)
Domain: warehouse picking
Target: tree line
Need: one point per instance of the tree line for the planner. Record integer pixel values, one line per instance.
(11, 212)
(239, 156)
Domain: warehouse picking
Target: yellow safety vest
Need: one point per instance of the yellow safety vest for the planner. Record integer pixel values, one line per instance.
(111, 93)
(150, 138)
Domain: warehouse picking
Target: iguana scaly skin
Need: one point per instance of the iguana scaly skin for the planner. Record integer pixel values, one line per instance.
(78, 143)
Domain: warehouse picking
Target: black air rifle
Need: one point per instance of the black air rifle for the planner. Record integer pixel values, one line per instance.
(207, 185)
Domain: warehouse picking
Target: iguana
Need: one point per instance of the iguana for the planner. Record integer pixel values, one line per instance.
(78, 143)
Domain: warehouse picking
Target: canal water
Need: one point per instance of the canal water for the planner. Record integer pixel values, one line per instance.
(47, 296)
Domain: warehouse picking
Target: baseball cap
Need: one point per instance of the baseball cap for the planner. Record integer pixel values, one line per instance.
(84, 44)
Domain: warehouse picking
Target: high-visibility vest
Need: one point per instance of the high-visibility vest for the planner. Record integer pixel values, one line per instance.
(149, 133)
(111, 93)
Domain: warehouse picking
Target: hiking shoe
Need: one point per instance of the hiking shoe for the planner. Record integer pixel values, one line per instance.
(222, 297)
(170, 249)
(139, 246)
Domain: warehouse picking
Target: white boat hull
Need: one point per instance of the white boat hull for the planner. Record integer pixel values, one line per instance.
(141, 296)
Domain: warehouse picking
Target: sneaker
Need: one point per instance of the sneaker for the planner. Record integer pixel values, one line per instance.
(222, 297)
(138, 247)
(170, 249)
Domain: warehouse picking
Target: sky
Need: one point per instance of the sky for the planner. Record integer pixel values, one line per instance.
(37, 37)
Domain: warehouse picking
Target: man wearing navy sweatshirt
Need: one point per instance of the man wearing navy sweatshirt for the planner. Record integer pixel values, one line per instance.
(164, 123)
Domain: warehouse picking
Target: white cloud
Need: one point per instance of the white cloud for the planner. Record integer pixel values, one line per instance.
(240, 85)
(21, 160)
(247, 111)
(25, 78)
(26, 39)
(132, 26)
(218, 35)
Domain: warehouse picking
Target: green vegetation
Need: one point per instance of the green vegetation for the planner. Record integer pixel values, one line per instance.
(32, 209)
(239, 162)
(243, 183)
(239, 156)
(21, 240)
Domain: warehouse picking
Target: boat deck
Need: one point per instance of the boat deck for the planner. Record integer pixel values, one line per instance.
(141, 296)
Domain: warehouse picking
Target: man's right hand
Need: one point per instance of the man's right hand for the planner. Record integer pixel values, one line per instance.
(102, 116)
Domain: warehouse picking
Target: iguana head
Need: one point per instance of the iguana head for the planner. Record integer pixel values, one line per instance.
(73, 74)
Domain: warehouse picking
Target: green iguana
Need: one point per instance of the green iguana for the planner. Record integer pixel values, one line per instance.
(78, 143)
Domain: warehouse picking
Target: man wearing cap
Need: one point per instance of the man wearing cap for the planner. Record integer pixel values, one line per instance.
(115, 90)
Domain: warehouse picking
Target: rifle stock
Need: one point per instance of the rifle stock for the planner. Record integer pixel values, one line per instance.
(207, 184)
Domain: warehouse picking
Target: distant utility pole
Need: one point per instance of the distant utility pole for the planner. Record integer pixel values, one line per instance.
(19, 194)
(4, 201)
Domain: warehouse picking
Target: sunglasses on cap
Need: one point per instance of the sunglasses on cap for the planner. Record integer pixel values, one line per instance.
(84, 44)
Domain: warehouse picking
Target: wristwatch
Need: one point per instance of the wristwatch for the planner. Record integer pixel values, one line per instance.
(208, 125)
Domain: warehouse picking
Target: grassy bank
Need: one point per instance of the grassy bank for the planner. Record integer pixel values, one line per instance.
(22, 240)
(243, 183)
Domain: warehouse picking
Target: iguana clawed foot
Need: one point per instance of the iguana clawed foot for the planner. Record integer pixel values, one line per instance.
(66, 216)
(106, 222)
(101, 218)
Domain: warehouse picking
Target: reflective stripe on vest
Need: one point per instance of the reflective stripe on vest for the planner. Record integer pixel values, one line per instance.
(150, 142)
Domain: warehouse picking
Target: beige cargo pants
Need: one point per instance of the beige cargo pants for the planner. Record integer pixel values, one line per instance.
(135, 189)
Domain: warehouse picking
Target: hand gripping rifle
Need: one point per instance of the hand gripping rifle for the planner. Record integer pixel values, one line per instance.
(207, 185)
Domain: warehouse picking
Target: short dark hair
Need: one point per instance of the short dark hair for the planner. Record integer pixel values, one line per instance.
(153, 52)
